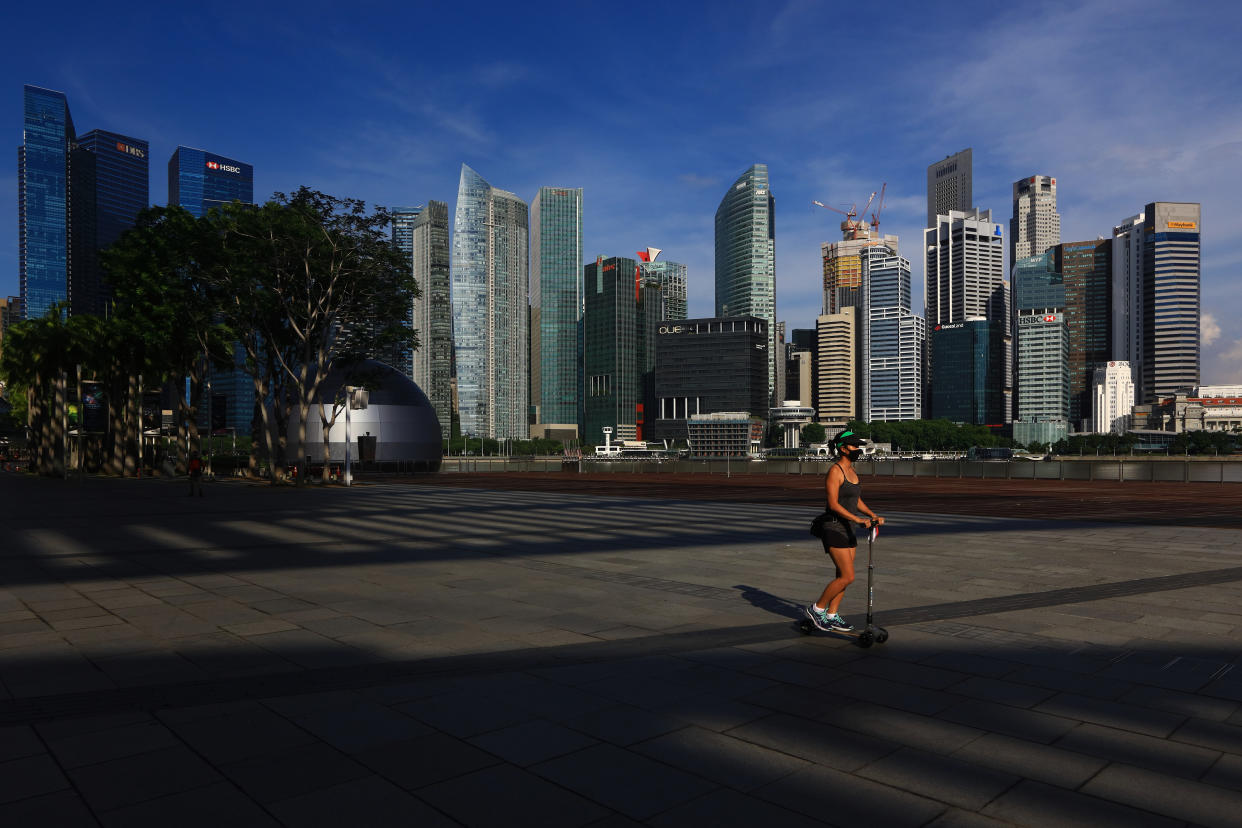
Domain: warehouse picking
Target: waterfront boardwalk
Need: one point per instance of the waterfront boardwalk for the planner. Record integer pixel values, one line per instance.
(488, 650)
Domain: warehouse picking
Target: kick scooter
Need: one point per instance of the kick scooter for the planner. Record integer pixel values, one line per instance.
(869, 634)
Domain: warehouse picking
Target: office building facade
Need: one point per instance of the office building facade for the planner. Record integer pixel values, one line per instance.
(1036, 224)
(967, 374)
(893, 339)
(837, 344)
(964, 278)
(122, 189)
(556, 299)
(432, 315)
(613, 351)
(491, 309)
(199, 180)
(746, 256)
(708, 366)
(843, 270)
(401, 356)
(1113, 389)
(949, 184)
(1043, 351)
(1171, 296)
(1126, 326)
(671, 276)
(1086, 274)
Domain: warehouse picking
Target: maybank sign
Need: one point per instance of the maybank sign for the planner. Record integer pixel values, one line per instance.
(1182, 225)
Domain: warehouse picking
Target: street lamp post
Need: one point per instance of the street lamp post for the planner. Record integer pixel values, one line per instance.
(210, 412)
(349, 403)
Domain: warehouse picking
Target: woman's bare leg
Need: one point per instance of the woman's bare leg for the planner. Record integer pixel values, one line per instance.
(844, 559)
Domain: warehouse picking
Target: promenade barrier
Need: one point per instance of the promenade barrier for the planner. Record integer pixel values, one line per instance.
(1139, 469)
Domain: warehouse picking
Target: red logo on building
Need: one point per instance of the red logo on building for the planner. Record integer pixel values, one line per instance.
(212, 165)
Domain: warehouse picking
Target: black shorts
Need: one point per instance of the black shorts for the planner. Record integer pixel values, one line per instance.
(839, 535)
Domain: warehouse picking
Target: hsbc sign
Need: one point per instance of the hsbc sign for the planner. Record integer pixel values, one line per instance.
(216, 166)
(1041, 320)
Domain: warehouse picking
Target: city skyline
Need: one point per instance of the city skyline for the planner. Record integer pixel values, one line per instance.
(527, 123)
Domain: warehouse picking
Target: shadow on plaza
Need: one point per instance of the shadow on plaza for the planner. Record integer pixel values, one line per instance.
(902, 709)
(68, 531)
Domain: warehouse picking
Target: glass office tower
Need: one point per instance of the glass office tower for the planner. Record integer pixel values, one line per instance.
(556, 305)
(1170, 290)
(199, 180)
(122, 190)
(433, 312)
(671, 276)
(43, 208)
(893, 338)
(746, 256)
(1043, 348)
(491, 309)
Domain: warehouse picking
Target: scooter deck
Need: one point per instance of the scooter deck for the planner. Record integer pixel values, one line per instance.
(870, 635)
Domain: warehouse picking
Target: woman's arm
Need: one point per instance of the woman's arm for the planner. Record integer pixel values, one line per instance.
(862, 507)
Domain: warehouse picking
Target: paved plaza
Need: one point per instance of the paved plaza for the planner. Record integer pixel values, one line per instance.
(398, 654)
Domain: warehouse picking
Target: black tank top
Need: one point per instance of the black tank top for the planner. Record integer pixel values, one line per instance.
(847, 496)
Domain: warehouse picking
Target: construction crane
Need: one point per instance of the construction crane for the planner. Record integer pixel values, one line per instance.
(852, 227)
(875, 216)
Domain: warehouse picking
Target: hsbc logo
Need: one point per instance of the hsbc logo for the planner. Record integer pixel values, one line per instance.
(218, 167)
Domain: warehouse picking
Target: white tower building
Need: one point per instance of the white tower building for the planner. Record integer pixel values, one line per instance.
(1114, 398)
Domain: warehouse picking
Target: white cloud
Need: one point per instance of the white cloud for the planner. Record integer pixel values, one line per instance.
(1229, 365)
(1210, 330)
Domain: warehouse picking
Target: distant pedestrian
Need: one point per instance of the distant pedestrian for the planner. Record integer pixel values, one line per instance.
(196, 474)
(844, 502)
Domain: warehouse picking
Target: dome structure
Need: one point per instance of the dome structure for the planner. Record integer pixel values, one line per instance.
(398, 416)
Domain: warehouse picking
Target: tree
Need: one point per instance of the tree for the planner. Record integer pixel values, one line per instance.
(813, 433)
(310, 278)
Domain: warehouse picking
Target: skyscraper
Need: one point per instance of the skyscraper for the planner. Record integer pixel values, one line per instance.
(965, 281)
(1114, 398)
(491, 309)
(44, 201)
(1036, 224)
(949, 186)
(432, 312)
(199, 180)
(746, 256)
(671, 277)
(1085, 269)
(1170, 290)
(1127, 297)
(893, 338)
(556, 305)
(401, 356)
(843, 269)
(835, 365)
(612, 341)
(1043, 346)
(122, 190)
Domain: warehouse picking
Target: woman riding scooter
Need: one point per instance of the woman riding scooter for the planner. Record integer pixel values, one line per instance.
(844, 502)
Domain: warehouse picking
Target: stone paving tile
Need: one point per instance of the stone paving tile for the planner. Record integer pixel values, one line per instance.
(798, 701)
(531, 742)
(1215, 735)
(910, 729)
(244, 735)
(1033, 803)
(944, 778)
(361, 725)
(1002, 692)
(903, 672)
(1142, 751)
(366, 801)
(722, 759)
(1112, 714)
(94, 746)
(426, 760)
(626, 782)
(1032, 760)
(1176, 798)
(1013, 721)
(209, 807)
(1186, 704)
(62, 810)
(729, 809)
(712, 712)
(466, 715)
(623, 724)
(1226, 773)
(957, 818)
(513, 797)
(293, 772)
(30, 776)
(816, 742)
(135, 779)
(893, 694)
(18, 741)
(846, 799)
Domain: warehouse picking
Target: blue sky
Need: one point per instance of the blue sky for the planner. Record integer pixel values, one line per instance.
(654, 109)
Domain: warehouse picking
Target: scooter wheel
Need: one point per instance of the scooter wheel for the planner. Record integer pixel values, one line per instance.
(805, 627)
(881, 635)
(866, 639)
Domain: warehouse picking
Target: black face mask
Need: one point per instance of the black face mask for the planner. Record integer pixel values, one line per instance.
(853, 455)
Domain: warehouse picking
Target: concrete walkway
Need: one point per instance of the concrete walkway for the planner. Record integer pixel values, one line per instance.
(398, 655)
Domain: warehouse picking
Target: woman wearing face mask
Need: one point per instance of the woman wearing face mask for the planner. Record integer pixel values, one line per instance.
(844, 502)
